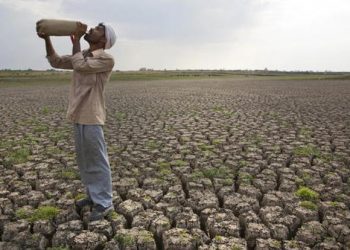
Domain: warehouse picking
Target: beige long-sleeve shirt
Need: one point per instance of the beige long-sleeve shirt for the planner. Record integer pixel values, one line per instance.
(90, 75)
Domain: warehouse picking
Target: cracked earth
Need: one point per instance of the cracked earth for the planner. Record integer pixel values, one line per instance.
(196, 164)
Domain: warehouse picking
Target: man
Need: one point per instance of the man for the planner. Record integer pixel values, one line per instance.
(91, 71)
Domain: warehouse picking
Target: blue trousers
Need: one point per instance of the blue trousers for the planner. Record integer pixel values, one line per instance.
(93, 163)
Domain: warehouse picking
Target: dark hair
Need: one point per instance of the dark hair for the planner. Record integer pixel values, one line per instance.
(104, 28)
(101, 24)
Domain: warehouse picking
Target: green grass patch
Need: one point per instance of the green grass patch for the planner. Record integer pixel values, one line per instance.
(125, 240)
(309, 205)
(299, 182)
(57, 248)
(218, 238)
(68, 195)
(276, 244)
(5, 143)
(306, 151)
(326, 157)
(334, 203)
(196, 175)
(184, 139)
(114, 215)
(295, 244)
(307, 194)
(163, 165)
(30, 139)
(217, 141)
(184, 234)
(120, 116)
(40, 128)
(80, 196)
(164, 168)
(44, 213)
(116, 149)
(234, 247)
(306, 177)
(256, 139)
(208, 154)
(246, 178)
(145, 236)
(242, 163)
(24, 213)
(69, 174)
(220, 172)
(205, 147)
(227, 182)
(52, 150)
(41, 213)
(285, 124)
(45, 110)
(178, 163)
(305, 132)
(273, 114)
(223, 110)
(153, 144)
(218, 109)
(58, 136)
(16, 156)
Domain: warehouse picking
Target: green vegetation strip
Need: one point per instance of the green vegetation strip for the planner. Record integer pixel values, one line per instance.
(15, 78)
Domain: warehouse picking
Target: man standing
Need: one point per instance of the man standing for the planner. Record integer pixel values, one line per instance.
(91, 71)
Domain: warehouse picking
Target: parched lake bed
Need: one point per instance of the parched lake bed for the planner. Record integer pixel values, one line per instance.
(196, 164)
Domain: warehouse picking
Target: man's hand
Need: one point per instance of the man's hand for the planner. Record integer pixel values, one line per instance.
(49, 48)
(81, 29)
(42, 35)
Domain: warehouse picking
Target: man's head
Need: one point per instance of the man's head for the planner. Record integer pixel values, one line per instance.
(102, 36)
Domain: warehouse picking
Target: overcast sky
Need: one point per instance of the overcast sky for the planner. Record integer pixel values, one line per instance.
(190, 34)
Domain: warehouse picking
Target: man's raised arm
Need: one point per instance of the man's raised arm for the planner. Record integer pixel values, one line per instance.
(56, 61)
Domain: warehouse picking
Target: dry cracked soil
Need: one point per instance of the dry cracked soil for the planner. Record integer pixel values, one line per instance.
(196, 164)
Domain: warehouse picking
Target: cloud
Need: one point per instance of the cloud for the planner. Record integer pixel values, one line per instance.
(23, 47)
(39, 8)
(172, 20)
(299, 35)
(231, 34)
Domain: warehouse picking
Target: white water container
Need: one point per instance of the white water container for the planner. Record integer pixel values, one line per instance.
(55, 27)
